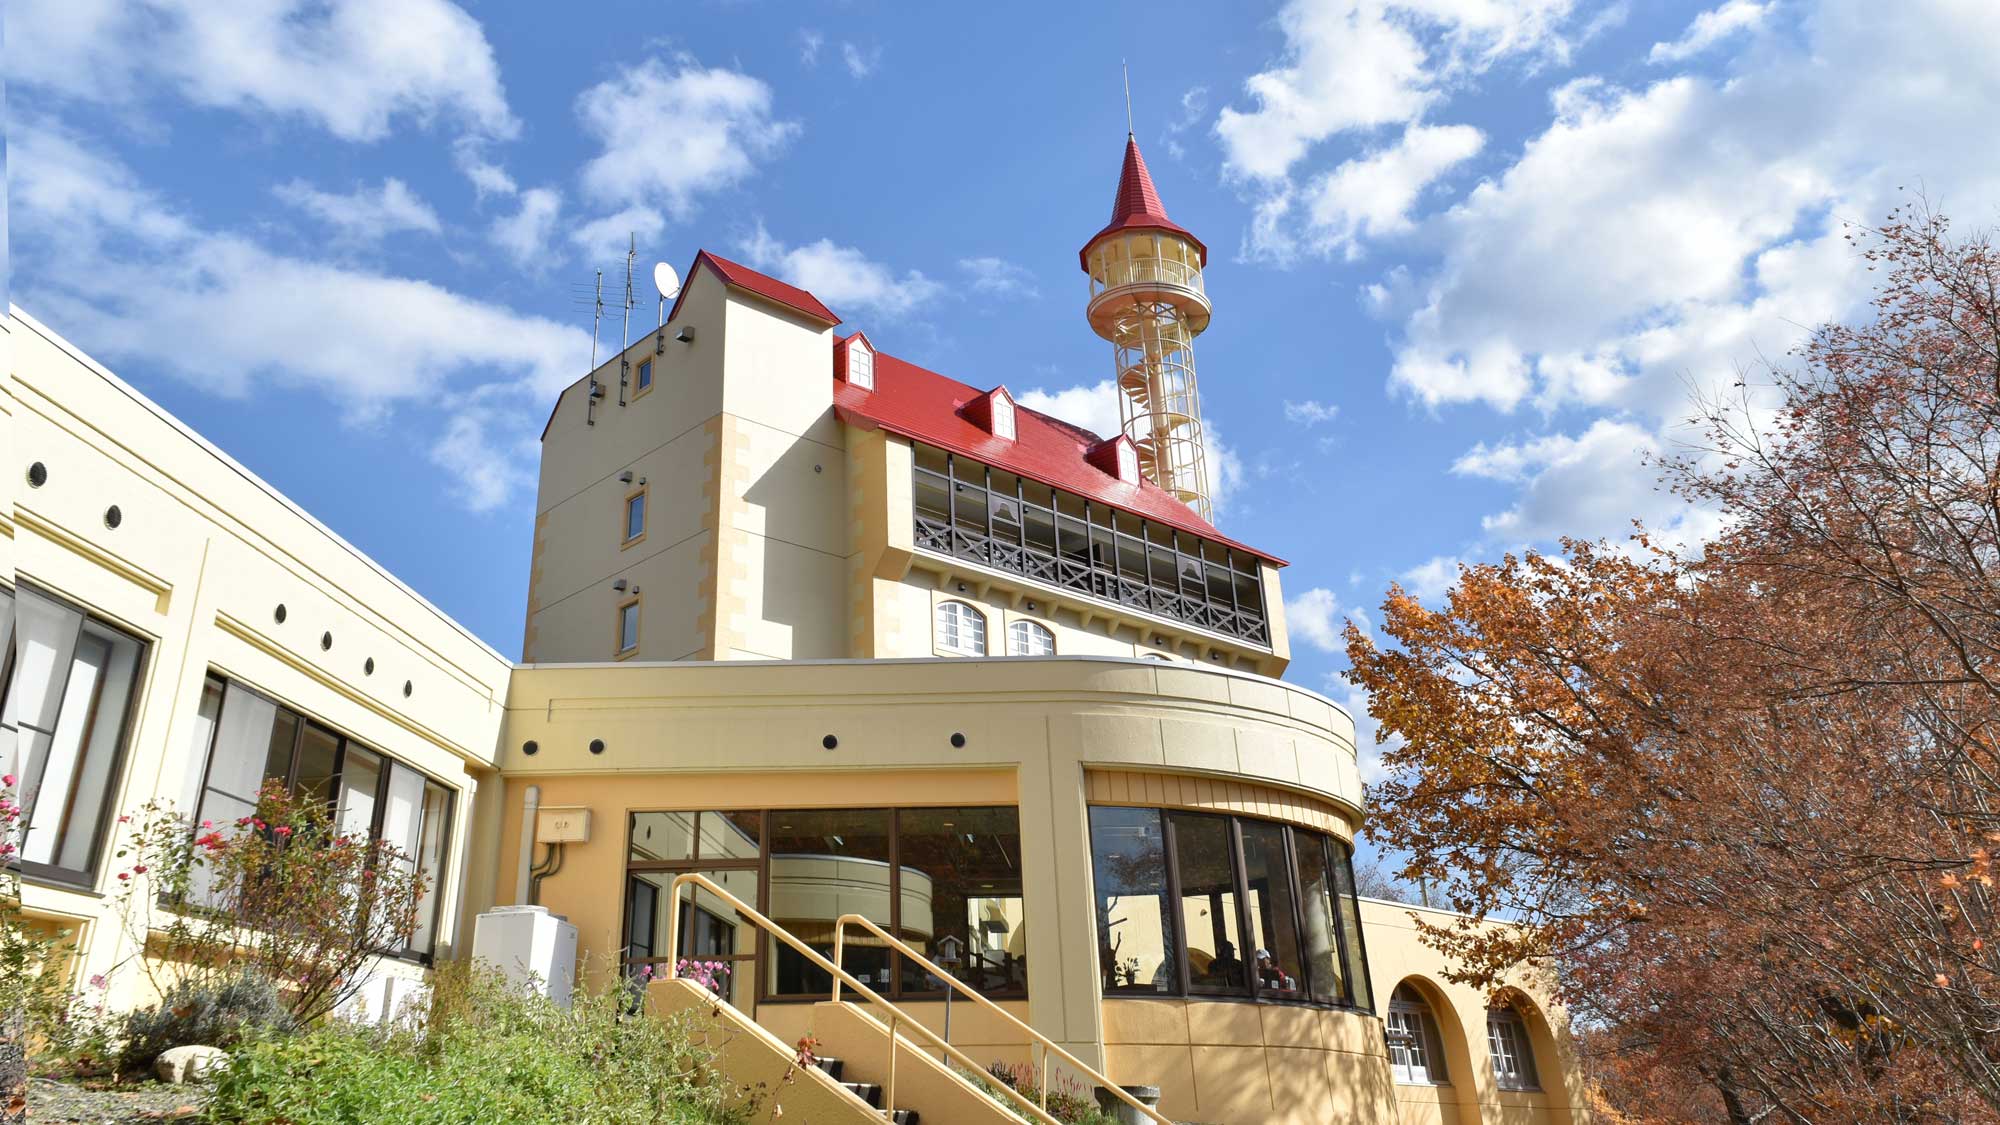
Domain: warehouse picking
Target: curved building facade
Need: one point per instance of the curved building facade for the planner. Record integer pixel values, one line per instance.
(840, 633)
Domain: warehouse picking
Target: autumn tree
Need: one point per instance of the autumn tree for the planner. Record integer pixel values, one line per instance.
(1745, 796)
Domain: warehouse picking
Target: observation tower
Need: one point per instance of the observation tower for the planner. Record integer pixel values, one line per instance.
(1146, 297)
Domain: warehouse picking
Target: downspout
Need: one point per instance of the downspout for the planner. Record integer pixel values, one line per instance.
(531, 802)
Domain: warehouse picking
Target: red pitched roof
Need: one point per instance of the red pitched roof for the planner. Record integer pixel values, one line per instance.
(1137, 206)
(742, 277)
(924, 406)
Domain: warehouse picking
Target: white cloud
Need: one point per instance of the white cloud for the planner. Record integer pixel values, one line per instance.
(1358, 64)
(670, 132)
(1710, 28)
(999, 277)
(604, 241)
(487, 177)
(1590, 485)
(809, 44)
(1314, 616)
(1429, 580)
(364, 214)
(525, 235)
(1369, 196)
(1310, 412)
(106, 257)
(860, 63)
(1094, 406)
(351, 67)
(843, 277)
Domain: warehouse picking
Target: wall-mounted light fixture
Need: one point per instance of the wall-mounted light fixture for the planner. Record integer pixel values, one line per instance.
(685, 335)
(625, 477)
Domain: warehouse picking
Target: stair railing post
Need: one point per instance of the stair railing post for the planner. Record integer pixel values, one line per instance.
(1044, 1070)
(839, 946)
(889, 1090)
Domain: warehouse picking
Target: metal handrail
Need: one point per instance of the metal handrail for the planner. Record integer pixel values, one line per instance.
(840, 976)
(1036, 1038)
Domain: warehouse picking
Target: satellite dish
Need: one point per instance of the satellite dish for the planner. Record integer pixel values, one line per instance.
(666, 281)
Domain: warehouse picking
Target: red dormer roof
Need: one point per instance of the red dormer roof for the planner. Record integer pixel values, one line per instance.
(738, 276)
(1137, 206)
(925, 406)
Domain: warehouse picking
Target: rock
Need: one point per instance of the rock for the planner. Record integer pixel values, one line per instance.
(179, 1065)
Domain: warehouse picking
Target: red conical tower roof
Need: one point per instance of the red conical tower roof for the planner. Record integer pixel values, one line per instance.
(1137, 206)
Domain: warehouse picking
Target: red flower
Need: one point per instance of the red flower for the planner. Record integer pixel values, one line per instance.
(124, 875)
(281, 830)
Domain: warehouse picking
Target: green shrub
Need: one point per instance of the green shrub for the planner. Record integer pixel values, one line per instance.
(486, 1054)
(237, 1010)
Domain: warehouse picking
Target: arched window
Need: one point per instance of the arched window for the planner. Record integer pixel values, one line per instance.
(1026, 638)
(961, 629)
(1513, 1052)
(1416, 1054)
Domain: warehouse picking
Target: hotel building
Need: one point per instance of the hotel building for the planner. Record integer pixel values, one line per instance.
(843, 635)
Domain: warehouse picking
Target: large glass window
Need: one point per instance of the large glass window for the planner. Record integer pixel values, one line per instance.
(826, 863)
(67, 701)
(244, 741)
(947, 881)
(1209, 913)
(1231, 905)
(1136, 950)
(1275, 963)
(959, 897)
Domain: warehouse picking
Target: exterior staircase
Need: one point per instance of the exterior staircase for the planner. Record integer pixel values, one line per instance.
(869, 1092)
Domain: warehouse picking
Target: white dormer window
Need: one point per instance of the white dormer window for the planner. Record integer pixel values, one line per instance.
(1003, 416)
(861, 366)
(1128, 462)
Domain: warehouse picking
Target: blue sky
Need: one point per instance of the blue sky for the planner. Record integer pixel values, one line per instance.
(1468, 257)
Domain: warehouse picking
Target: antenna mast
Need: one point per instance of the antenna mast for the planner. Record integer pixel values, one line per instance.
(1127, 71)
(625, 334)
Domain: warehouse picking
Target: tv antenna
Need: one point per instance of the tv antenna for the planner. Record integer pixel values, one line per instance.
(1126, 69)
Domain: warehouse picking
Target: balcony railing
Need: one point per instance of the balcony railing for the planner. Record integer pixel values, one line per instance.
(1090, 579)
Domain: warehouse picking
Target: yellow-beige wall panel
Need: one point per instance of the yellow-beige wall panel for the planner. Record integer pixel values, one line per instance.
(202, 556)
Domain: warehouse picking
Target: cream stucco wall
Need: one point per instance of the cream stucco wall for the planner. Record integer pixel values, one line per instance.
(749, 735)
(203, 555)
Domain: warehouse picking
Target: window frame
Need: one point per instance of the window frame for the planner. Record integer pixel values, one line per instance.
(85, 877)
(618, 649)
(1359, 997)
(643, 494)
(1027, 627)
(643, 378)
(387, 763)
(938, 645)
(766, 949)
(1504, 1020)
(1428, 1040)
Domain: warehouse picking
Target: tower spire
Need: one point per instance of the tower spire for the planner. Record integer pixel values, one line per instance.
(1147, 299)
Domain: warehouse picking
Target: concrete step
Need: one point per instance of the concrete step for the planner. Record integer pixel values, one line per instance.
(871, 1093)
(832, 1066)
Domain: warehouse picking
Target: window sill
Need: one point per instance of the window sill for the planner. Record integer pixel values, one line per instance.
(633, 542)
(627, 654)
(1236, 998)
(1423, 1085)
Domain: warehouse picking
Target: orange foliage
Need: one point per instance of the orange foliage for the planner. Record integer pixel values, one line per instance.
(1747, 797)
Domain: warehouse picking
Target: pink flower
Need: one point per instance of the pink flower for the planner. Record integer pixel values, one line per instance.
(282, 830)
(124, 820)
(138, 869)
(97, 981)
(124, 875)
(208, 824)
(7, 780)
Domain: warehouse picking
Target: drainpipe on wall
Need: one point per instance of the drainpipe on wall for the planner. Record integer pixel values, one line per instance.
(531, 801)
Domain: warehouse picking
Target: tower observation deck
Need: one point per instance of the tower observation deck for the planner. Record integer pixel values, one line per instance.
(1146, 298)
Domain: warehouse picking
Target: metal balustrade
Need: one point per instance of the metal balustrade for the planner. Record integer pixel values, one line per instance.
(1090, 580)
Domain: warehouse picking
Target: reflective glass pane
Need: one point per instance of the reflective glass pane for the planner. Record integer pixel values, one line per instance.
(430, 860)
(1275, 961)
(1208, 910)
(1135, 927)
(662, 837)
(1321, 939)
(959, 871)
(360, 780)
(1350, 925)
(825, 863)
(319, 755)
(730, 835)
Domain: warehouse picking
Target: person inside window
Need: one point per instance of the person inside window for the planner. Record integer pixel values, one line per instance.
(1271, 976)
(1225, 968)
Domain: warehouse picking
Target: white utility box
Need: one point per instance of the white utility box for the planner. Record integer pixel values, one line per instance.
(562, 826)
(534, 948)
